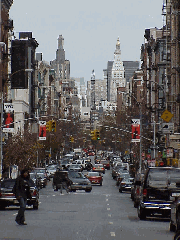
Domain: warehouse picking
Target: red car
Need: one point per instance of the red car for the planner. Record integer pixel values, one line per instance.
(95, 178)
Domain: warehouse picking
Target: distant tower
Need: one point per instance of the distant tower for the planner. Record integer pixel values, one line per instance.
(60, 53)
(93, 107)
(60, 64)
(118, 79)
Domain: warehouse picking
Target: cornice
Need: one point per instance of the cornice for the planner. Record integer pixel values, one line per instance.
(7, 3)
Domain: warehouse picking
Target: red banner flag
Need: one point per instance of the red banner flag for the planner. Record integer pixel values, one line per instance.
(42, 130)
(135, 130)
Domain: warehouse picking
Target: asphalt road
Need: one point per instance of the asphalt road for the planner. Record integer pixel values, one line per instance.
(102, 214)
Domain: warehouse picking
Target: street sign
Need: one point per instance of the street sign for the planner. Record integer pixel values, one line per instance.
(169, 152)
(166, 116)
(168, 127)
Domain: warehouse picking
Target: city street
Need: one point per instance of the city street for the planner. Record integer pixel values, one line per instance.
(104, 213)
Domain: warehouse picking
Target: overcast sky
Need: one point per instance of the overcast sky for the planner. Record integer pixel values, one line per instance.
(90, 29)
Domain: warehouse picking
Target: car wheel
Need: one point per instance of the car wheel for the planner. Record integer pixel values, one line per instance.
(88, 190)
(141, 213)
(104, 172)
(136, 204)
(120, 190)
(2, 207)
(172, 227)
(178, 220)
(74, 190)
(177, 236)
(101, 184)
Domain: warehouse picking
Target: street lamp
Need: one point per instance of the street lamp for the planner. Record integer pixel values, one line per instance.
(1, 152)
(140, 147)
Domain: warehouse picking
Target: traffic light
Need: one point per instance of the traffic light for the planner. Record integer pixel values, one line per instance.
(53, 126)
(49, 126)
(93, 135)
(71, 139)
(97, 135)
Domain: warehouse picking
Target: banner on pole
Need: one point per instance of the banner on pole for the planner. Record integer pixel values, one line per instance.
(135, 130)
(42, 130)
(8, 118)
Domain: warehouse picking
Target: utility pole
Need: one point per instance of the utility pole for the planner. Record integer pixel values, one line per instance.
(140, 151)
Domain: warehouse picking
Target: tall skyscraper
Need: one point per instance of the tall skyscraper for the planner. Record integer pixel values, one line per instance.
(60, 64)
(118, 78)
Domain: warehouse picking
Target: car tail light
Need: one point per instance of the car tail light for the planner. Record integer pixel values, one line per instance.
(144, 192)
(94, 168)
(0, 194)
(34, 193)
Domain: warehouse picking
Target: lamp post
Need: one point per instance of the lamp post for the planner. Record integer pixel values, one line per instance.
(140, 147)
(1, 153)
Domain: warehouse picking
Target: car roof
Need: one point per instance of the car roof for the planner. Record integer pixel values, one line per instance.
(8, 180)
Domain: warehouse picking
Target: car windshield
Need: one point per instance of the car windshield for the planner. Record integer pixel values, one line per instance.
(31, 183)
(32, 175)
(174, 175)
(98, 165)
(118, 167)
(40, 175)
(39, 170)
(76, 175)
(93, 174)
(8, 184)
(64, 162)
(74, 166)
(51, 168)
(157, 175)
(164, 177)
(125, 175)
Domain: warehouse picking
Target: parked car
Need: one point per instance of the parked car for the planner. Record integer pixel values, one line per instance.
(120, 175)
(159, 185)
(125, 184)
(115, 171)
(177, 236)
(175, 212)
(7, 198)
(98, 168)
(79, 182)
(95, 177)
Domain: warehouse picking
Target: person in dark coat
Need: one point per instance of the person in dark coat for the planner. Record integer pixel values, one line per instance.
(22, 193)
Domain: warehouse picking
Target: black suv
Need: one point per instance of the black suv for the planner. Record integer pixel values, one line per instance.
(160, 184)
